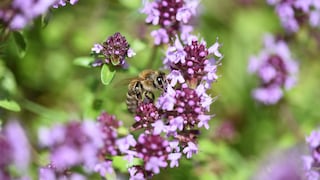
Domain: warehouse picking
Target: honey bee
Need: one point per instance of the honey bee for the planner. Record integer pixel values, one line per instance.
(141, 89)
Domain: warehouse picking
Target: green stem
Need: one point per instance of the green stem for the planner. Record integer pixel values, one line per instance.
(152, 57)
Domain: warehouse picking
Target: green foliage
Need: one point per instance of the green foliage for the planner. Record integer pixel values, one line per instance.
(10, 105)
(20, 43)
(83, 61)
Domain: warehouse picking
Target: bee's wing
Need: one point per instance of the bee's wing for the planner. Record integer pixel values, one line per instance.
(123, 82)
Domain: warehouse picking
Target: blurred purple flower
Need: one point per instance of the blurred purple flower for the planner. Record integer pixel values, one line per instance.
(312, 161)
(104, 168)
(294, 13)
(276, 69)
(19, 144)
(49, 172)
(63, 3)
(281, 165)
(170, 15)
(154, 150)
(108, 125)
(15, 150)
(17, 14)
(46, 173)
(79, 145)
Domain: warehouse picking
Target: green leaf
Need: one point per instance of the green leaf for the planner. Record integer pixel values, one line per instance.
(113, 175)
(122, 130)
(133, 4)
(119, 163)
(10, 105)
(20, 42)
(46, 18)
(83, 61)
(107, 74)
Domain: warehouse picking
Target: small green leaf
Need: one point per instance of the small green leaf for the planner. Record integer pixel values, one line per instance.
(107, 74)
(20, 42)
(10, 105)
(83, 61)
(133, 4)
(113, 175)
(119, 163)
(123, 131)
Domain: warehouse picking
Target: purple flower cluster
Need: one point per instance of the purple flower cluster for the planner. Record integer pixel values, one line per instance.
(108, 125)
(146, 115)
(171, 15)
(192, 61)
(293, 13)
(276, 70)
(14, 150)
(312, 162)
(172, 123)
(75, 144)
(114, 50)
(64, 3)
(18, 13)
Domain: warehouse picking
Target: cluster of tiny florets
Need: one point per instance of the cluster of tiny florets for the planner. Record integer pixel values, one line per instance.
(192, 61)
(114, 50)
(146, 115)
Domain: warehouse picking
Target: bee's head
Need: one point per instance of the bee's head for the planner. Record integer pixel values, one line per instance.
(160, 81)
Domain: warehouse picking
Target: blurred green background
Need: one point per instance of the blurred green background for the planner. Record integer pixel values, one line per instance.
(50, 88)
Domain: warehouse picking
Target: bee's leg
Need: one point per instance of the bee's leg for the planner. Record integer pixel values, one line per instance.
(148, 97)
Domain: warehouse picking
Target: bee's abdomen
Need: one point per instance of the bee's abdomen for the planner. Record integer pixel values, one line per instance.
(132, 101)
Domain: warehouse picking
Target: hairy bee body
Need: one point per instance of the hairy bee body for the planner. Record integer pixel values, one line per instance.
(141, 88)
